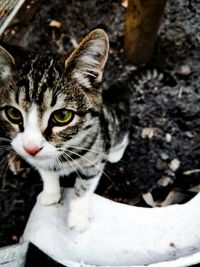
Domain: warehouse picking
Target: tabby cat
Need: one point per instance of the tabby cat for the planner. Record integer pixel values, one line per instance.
(56, 116)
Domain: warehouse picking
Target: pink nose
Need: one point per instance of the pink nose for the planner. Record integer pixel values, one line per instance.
(32, 150)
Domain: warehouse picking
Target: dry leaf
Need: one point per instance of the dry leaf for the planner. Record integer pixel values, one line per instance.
(168, 137)
(191, 171)
(124, 3)
(148, 132)
(148, 198)
(189, 134)
(174, 164)
(165, 181)
(55, 23)
(195, 189)
(173, 197)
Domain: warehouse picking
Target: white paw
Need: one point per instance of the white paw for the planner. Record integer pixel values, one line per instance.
(78, 220)
(48, 199)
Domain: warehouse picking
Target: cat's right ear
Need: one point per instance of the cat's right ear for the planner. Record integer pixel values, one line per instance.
(6, 64)
(87, 61)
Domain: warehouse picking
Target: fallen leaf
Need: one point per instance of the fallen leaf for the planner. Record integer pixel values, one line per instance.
(148, 132)
(174, 164)
(124, 3)
(55, 23)
(165, 181)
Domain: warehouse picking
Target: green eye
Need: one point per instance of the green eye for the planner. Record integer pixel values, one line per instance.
(62, 117)
(13, 114)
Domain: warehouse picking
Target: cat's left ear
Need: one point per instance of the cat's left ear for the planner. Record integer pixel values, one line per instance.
(6, 63)
(86, 63)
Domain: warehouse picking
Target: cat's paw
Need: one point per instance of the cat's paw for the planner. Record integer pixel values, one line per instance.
(48, 199)
(78, 220)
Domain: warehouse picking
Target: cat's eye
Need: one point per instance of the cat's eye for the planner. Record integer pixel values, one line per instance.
(13, 114)
(62, 117)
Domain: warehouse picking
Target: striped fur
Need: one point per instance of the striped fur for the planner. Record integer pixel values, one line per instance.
(37, 88)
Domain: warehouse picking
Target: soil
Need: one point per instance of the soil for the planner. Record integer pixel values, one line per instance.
(161, 165)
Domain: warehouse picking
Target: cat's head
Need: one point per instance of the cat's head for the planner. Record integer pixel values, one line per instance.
(45, 106)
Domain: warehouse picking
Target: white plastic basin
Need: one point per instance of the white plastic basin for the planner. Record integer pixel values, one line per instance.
(119, 234)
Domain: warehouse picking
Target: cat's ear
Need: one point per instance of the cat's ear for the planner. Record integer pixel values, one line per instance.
(87, 61)
(6, 64)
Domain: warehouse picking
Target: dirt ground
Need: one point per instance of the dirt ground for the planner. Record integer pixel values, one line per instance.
(161, 166)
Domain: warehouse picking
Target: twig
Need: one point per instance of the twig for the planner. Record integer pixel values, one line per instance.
(189, 172)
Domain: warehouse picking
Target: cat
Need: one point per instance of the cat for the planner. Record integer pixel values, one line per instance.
(56, 117)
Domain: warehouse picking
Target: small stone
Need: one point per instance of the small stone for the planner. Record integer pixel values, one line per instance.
(184, 70)
(165, 181)
(168, 137)
(164, 156)
(169, 173)
(189, 134)
(148, 132)
(161, 165)
(124, 3)
(174, 164)
(14, 238)
(55, 23)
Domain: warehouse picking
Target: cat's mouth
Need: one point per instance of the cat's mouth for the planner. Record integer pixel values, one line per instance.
(40, 156)
(44, 156)
(42, 160)
(34, 151)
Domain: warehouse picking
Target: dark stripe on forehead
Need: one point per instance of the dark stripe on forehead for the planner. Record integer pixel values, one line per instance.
(53, 100)
(55, 93)
(27, 93)
(40, 96)
(52, 75)
(41, 76)
(15, 91)
(22, 85)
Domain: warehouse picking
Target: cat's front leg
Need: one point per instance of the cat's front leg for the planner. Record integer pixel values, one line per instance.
(51, 193)
(79, 206)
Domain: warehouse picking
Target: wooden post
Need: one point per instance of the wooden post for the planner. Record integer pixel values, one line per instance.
(142, 23)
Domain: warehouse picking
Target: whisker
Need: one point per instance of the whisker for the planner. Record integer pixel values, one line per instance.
(78, 165)
(101, 170)
(9, 152)
(59, 163)
(97, 152)
(5, 165)
(67, 157)
(89, 150)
